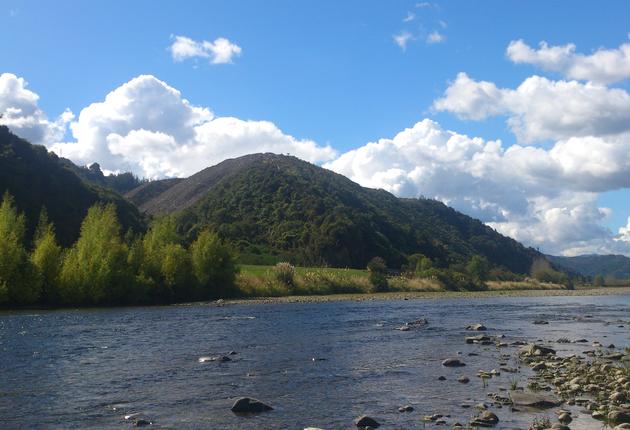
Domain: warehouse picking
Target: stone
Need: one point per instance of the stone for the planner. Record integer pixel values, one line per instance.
(141, 423)
(565, 418)
(463, 379)
(536, 350)
(533, 400)
(485, 419)
(406, 408)
(619, 417)
(477, 327)
(365, 421)
(245, 405)
(453, 362)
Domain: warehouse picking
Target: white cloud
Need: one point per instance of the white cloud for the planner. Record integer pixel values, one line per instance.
(221, 51)
(20, 112)
(540, 109)
(145, 126)
(402, 39)
(604, 66)
(435, 37)
(410, 17)
(624, 232)
(543, 197)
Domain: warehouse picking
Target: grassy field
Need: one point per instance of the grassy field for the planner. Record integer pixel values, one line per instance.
(262, 281)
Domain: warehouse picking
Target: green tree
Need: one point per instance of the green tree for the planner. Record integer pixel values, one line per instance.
(478, 268)
(378, 278)
(95, 270)
(19, 283)
(214, 265)
(599, 281)
(47, 258)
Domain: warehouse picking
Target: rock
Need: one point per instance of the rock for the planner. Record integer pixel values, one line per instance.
(453, 362)
(558, 426)
(485, 419)
(365, 421)
(245, 405)
(565, 418)
(218, 359)
(141, 423)
(442, 378)
(406, 408)
(463, 379)
(533, 400)
(540, 322)
(622, 427)
(477, 327)
(536, 350)
(478, 339)
(619, 417)
(419, 323)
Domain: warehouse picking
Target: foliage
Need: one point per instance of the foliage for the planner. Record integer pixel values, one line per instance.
(542, 271)
(19, 283)
(478, 268)
(285, 274)
(37, 178)
(378, 274)
(47, 258)
(214, 265)
(598, 281)
(278, 208)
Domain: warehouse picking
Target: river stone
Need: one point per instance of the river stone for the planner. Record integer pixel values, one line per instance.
(406, 408)
(622, 427)
(249, 405)
(477, 327)
(565, 418)
(464, 379)
(532, 349)
(619, 417)
(453, 362)
(365, 421)
(558, 426)
(485, 419)
(533, 400)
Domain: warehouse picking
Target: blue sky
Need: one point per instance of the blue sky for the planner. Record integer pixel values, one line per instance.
(326, 71)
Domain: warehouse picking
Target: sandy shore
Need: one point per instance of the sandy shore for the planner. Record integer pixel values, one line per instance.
(422, 295)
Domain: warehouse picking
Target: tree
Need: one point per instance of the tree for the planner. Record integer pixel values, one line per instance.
(378, 269)
(598, 281)
(478, 268)
(95, 270)
(19, 283)
(47, 258)
(214, 265)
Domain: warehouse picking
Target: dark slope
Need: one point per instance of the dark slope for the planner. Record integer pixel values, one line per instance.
(616, 266)
(274, 204)
(144, 193)
(38, 178)
(120, 182)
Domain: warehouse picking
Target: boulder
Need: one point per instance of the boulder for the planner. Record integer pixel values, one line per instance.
(485, 419)
(365, 421)
(619, 417)
(453, 362)
(533, 400)
(247, 405)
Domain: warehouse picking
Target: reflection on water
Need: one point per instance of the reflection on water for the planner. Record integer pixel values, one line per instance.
(318, 364)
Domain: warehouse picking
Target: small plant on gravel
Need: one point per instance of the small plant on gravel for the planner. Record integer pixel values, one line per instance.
(540, 423)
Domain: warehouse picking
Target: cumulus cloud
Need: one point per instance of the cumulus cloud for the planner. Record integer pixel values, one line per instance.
(539, 108)
(531, 194)
(604, 66)
(401, 39)
(221, 51)
(20, 111)
(146, 127)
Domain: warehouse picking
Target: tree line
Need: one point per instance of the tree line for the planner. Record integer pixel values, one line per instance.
(105, 267)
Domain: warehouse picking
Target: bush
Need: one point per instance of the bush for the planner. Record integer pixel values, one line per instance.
(214, 265)
(378, 278)
(285, 274)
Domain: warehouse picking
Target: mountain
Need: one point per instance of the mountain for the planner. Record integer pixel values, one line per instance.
(37, 178)
(616, 266)
(281, 207)
(119, 182)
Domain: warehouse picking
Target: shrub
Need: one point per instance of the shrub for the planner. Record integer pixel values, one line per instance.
(378, 278)
(285, 274)
(214, 265)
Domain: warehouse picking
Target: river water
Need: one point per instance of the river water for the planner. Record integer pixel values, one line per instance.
(88, 368)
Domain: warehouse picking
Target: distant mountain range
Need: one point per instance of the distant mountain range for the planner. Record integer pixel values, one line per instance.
(268, 206)
(616, 266)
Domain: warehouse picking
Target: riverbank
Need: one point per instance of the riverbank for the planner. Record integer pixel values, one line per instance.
(432, 295)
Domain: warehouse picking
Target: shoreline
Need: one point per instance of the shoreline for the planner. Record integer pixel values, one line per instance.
(426, 295)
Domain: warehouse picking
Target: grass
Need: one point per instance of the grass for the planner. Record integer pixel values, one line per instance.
(522, 285)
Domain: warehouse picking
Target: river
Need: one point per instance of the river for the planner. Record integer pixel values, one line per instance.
(317, 364)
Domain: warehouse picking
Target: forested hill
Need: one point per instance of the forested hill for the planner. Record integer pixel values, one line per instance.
(616, 266)
(37, 178)
(279, 205)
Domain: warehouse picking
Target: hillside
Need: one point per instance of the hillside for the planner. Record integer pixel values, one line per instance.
(616, 266)
(38, 178)
(278, 205)
(120, 182)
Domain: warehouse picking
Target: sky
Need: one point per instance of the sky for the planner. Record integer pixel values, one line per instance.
(516, 113)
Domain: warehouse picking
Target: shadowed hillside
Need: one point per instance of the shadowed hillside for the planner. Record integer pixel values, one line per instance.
(615, 266)
(37, 178)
